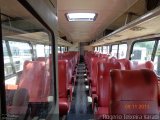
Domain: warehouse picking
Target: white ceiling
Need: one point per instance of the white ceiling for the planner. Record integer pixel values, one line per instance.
(141, 28)
(108, 11)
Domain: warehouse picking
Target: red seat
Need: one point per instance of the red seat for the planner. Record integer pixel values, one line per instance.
(112, 60)
(103, 91)
(10, 91)
(136, 65)
(32, 79)
(64, 103)
(159, 94)
(20, 102)
(125, 64)
(134, 92)
(94, 72)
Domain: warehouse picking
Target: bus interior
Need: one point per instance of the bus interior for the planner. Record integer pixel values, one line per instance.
(80, 60)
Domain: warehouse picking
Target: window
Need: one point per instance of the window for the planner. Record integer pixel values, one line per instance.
(8, 68)
(95, 49)
(62, 49)
(20, 53)
(21, 34)
(114, 50)
(157, 60)
(40, 50)
(99, 49)
(59, 49)
(104, 49)
(47, 50)
(122, 51)
(66, 48)
(108, 52)
(142, 51)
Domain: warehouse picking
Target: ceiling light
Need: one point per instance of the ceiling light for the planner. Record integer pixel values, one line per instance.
(81, 16)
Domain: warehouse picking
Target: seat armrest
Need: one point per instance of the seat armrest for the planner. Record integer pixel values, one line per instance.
(94, 102)
(69, 93)
(90, 86)
(89, 80)
(73, 79)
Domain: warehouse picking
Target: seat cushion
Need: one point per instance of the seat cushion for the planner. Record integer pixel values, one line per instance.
(63, 106)
(17, 110)
(102, 111)
(94, 90)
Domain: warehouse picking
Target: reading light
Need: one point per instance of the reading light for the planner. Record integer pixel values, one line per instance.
(81, 16)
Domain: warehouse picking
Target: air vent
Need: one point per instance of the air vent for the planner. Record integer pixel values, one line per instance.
(117, 35)
(137, 28)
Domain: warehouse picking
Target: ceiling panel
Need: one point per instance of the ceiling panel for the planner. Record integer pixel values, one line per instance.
(141, 28)
(107, 10)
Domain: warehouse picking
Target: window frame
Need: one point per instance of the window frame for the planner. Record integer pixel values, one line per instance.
(11, 55)
(118, 49)
(43, 49)
(52, 37)
(144, 40)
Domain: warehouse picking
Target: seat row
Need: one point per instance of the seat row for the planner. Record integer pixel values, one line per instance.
(33, 88)
(67, 64)
(34, 85)
(121, 87)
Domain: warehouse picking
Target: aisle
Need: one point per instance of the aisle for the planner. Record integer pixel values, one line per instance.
(81, 104)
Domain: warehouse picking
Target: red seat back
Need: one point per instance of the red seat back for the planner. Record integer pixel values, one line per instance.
(94, 62)
(134, 92)
(32, 79)
(125, 64)
(63, 78)
(94, 69)
(104, 82)
(112, 60)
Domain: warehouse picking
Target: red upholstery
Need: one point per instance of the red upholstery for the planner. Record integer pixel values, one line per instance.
(63, 106)
(136, 65)
(63, 77)
(102, 111)
(70, 71)
(64, 103)
(10, 91)
(94, 71)
(32, 79)
(112, 60)
(134, 92)
(125, 64)
(159, 93)
(104, 85)
(20, 102)
(47, 76)
(73, 58)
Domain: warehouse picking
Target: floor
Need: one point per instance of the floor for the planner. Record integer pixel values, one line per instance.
(81, 107)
